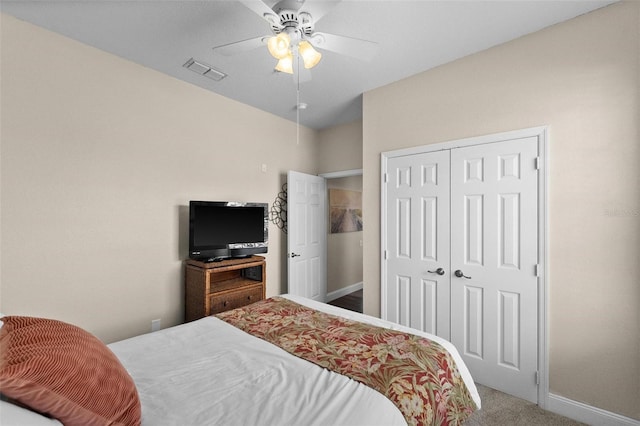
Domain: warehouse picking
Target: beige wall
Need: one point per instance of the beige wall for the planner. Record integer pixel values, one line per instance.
(100, 158)
(581, 78)
(344, 250)
(340, 148)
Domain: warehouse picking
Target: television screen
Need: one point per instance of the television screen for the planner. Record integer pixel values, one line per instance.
(221, 229)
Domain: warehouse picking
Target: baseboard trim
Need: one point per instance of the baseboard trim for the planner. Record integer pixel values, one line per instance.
(344, 291)
(586, 413)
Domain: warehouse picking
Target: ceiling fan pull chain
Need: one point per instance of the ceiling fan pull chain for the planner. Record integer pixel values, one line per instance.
(298, 116)
(297, 59)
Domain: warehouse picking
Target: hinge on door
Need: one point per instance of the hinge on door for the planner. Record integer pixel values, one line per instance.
(537, 269)
(385, 178)
(385, 255)
(537, 377)
(538, 163)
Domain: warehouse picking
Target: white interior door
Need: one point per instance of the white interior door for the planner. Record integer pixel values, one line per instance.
(417, 254)
(494, 246)
(307, 235)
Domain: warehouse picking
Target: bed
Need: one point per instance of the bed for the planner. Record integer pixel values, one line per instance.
(210, 371)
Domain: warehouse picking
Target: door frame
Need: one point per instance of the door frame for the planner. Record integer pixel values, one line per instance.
(337, 175)
(542, 134)
(341, 174)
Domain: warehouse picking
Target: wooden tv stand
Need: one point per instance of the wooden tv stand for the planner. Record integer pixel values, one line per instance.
(214, 287)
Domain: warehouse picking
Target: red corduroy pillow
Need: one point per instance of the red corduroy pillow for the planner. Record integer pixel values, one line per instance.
(65, 372)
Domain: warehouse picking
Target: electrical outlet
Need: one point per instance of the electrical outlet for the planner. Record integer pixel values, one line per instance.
(263, 168)
(155, 324)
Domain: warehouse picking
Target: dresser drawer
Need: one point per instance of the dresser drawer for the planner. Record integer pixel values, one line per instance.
(235, 299)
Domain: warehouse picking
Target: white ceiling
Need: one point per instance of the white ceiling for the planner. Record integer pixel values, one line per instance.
(413, 36)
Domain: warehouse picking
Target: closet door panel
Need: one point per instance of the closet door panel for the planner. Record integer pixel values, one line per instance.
(417, 236)
(494, 247)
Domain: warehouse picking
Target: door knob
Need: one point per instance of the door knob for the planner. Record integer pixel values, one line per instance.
(458, 273)
(438, 271)
(294, 255)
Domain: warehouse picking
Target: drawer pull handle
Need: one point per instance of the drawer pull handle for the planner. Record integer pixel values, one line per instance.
(248, 297)
(225, 303)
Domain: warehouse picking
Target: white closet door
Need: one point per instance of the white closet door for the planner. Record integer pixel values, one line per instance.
(416, 293)
(494, 243)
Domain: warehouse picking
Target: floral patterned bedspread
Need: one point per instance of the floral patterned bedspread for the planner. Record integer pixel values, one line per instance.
(416, 374)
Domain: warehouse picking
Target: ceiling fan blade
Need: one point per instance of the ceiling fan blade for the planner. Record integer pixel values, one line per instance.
(318, 8)
(241, 46)
(364, 50)
(262, 10)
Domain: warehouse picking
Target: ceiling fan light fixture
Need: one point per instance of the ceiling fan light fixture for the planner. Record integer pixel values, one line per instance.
(285, 64)
(278, 45)
(310, 56)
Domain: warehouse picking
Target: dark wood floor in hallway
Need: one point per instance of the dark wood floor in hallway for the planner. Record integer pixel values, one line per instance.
(351, 301)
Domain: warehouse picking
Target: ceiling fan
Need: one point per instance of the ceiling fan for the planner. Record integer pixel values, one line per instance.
(293, 40)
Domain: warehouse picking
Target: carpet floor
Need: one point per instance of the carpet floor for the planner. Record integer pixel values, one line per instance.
(501, 409)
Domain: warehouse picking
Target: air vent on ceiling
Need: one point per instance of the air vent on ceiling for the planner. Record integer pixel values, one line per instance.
(204, 69)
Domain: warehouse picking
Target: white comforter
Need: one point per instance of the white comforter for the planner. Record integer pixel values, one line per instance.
(208, 372)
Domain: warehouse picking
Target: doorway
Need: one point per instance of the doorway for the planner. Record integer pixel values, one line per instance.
(344, 249)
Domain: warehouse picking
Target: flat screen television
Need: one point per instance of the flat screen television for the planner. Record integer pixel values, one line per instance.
(223, 229)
